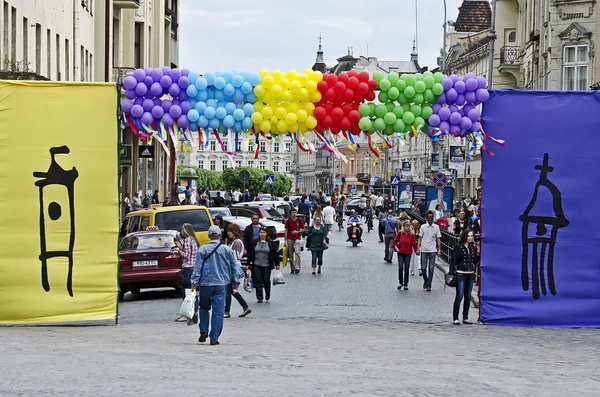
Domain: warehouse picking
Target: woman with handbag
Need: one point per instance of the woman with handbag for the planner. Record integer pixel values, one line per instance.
(415, 259)
(237, 245)
(188, 256)
(262, 258)
(316, 243)
(405, 245)
(465, 259)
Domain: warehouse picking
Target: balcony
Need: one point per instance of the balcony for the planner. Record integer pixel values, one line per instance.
(509, 56)
(171, 15)
(127, 4)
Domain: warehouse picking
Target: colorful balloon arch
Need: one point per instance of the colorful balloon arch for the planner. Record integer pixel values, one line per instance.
(234, 105)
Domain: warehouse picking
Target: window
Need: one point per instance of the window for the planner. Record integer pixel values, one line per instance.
(263, 147)
(116, 42)
(250, 163)
(276, 166)
(149, 45)
(48, 53)
(213, 165)
(575, 68)
(134, 224)
(225, 164)
(67, 60)
(26, 42)
(144, 223)
(87, 65)
(91, 67)
(13, 25)
(148, 241)
(137, 46)
(81, 63)
(174, 220)
(512, 37)
(38, 48)
(213, 146)
(201, 164)
(288, 166)
(288, 147)
(276, 147)
(262, 165)
(5, 24)
(58, 76)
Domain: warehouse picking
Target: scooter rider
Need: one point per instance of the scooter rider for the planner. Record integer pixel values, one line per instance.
(355, 218)
(340, 207)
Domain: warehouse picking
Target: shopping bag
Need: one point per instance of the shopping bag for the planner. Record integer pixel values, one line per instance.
(284, 256)
(278, 277)
(248, 286)
(187, 307)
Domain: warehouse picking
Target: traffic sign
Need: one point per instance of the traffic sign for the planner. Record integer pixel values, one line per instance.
(353, 188)
(395, 180)
(269, 179)
(338, 180)
(299, 179)
(244, 176)
(439, 180)
(370, 187)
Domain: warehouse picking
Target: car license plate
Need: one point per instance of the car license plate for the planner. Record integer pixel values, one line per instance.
(145, 263)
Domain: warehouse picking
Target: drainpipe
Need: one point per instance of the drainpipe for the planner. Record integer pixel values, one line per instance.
(76, 76)
(492, 36)
(107, 58)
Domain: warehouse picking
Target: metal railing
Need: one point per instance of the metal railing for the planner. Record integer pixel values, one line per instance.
(449, 240)
(509, 55)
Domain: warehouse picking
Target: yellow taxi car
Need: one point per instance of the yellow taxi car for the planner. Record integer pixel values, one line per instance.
(169, 218)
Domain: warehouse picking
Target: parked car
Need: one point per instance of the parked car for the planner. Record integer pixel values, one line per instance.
(224, 193)
(146, 260)
(276, 229)
(352, 205)
(223, 211)
(264, 209)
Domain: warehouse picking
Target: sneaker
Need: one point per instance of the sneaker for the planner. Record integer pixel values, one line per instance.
(456, 322)
(466, 321)
(314, 271)
(319, 270)
(399, 287)
(405, 287)
(227, 315)
(297, 271)
(203, 337)
(412, 273)
(428, 289)
(420, 273)
(245, 313)
(215, 343)
(260, 301)
(425, 285)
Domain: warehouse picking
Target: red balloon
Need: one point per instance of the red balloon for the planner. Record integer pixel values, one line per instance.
(358, 99)
(331, 79)
(340, 87)
(356, 104)
(335, 128)
(370, 96)
(349, 95)
(339, 101)
(319, 113)
(354, 129)
(337, 114)
(319, 128)
(363, 88)
(328, 107)
(353, 73)
(353, 82)
(345, 124)
(343, 77)
(363, 77)
(327, 121)
(322, 86)
(372, 84)
(330, 95)
(347, 108)
(353, 116)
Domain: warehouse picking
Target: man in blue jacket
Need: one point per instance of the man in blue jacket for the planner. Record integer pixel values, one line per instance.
(215, 269)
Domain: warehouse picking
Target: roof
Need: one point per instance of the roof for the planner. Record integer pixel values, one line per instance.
(372, 64)
(401, 66)
(473, 16)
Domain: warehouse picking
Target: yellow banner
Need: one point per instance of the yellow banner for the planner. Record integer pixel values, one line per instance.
(58, 202)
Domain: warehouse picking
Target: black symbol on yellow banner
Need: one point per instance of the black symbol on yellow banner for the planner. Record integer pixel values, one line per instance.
(58, 176)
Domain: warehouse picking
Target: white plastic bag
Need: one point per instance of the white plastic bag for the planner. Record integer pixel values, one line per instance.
(278, 277)
(187, 307)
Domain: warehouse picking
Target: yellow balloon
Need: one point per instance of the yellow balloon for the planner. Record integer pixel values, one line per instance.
(265, 126)
(308, 71)
(295, 86)
(293, 128)
(309, 107)
(302, 127)
(258, 106)
(263, 72)
(257, 117)
(280, 112)
(287, 96)
(277, 75)
(303, 94)
(301, 114)
(284, 83)
(292, 74)
(276, 91)
(292, 107)
(268, 82)
(267, 98)
(259, 91)
(303, 79)
(311, 86)
(316, 76)
(291, 118)
(282, 126)
(267, 112)
(274, 120)
(315, 96)
(311, 122)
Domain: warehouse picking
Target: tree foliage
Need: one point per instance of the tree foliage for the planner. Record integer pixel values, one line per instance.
(206, 178)
(256, 184)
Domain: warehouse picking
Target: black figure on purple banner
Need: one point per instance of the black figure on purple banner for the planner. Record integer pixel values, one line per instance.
(539, 233)
(56, 175)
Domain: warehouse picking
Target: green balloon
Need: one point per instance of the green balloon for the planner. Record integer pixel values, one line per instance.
(437, 89)
(398, 111)
(389, 130)
(393, 93)
(393, 78)
(419, 123)
(402, 98)
(407, 128)
(383, 96)
(438, 77)
(428, 96)
(419, 76)
(380, 110)
(409, 92)
(408, 117)
(410, 79)
(416, 110)
(429, 81)
(379, 124)
(403, 77)
(399, 125)
(418, 99)
(384, 85)
(401, 85)
(389, 118)
(364, 110)
(372, 107)
(426, 112)
(390, 106)
(405, 106)
(378, 76)
(365, 123)
(420, 87)
(427, 73)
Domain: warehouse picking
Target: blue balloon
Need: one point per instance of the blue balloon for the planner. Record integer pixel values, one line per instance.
(254, 79)
(237, 81)
(193, 115)
(230, 107)
(247, 123)
(194, 126)
(218, 73)
(211, 94)
(220, 83)
(211, 103)
(202, 96)
(193, 102)
(202, 122)
(239, 106)
(210, 78)
(246, 88)
(214, 123)
(228, 98)
(238, 115)
(220, 95)
(228, 121)
(201, 83)
(221, 112)
(248, 109)
(245, 75)
(210, 113)
(237, 127)
(200, 107)
(228, 76)
(251, 97)
(193, 76)
(238, 96)
(229, 89)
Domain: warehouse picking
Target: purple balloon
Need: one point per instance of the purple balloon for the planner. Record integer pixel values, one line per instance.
(454, 129)
(436, 107)
(138, 101)
(454, 78)
(157, 112)
(137, 111)
(185, 72)
(444, 126)
(156, 74)
(476, 126)
(139, 75)
(471, 84)
(175, 111)
(442, 99)
(166, 70)
(444, 113)
(474, 114)
(470, 75)
(130, 94)
(183, 82)
(141, 89)
(481, 82)
(482, 94)
(156, 89)
(455, 118)
(183, 121)
(156, 101)
(176, 102)
(147, 118)
(148, 104)
(453, 108)
(459, 86)
(183, 96)
(465, 123)
(147, 71)
(148, 80)
(434, 120)
(166, 81)
(174, 90)
(470, 97)
(175, 74)
(167, 120)
(129, 82)
(462, 113)
(126, 106)
(125, 122)
(460, 100)
(451, 95)
(185, 107)
(166, 105)
(447, 83)
(467, 108)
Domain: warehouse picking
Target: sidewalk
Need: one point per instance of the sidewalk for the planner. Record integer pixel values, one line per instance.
(445, 268)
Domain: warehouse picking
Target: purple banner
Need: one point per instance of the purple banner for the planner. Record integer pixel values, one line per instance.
(540, 265)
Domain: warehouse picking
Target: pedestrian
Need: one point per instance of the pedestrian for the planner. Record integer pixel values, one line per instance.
(136, 203)
(405, 245)
(438, 213)
(247, 196)
(390, 225)
(262, 258)
(422, 208)
(379, 203)
(453, 219)
(460, 224)
(381, 229)
(215, 269)
(318, 212)
(127, 202)
(429, 244)
(415, 260)
(294, 228)
(237, 195)
(316, 242)
(218, 221)
(328, 217)
(187, 251)
(155, 199)
(463, 264)
(237, 245)
(334, 200)
(304, 209)
(251, 231)
(146, 202)
(219, 201)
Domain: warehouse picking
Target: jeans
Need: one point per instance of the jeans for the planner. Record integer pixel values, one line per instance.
(317, 257)
(427, 267)
(329, 227)
(381, 230)
(261, 278)
(389, 251)
(294, 254)
(212, 296)
(464, 286)
(403, 265)
(237, 296)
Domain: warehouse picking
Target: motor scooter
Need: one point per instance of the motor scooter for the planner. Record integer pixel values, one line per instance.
(354, 237)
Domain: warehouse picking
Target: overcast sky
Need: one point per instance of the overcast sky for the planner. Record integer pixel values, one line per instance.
(251, 35)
